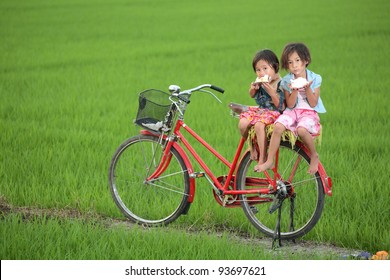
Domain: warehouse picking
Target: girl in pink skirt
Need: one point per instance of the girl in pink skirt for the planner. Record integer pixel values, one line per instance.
(303, 104)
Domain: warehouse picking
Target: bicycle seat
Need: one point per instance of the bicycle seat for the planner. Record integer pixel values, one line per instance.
(238, 108)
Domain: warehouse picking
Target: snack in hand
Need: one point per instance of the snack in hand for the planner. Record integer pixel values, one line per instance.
(299, 82)
(264, 79)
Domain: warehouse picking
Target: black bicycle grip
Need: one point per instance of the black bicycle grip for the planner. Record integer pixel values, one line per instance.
(221, 90)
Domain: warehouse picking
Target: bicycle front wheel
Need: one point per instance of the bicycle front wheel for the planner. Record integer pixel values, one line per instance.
(302, 208)
(155, 202)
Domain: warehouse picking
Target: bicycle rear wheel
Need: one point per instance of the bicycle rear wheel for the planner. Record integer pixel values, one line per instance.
(156, 202)
(303, 207)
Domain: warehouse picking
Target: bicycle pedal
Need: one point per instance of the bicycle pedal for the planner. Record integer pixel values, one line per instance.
(197, 175)
(225, 200)
(277, 203)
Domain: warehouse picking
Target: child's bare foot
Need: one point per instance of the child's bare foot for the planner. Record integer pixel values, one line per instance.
(259, 163)
(313, 168)
(262, 167)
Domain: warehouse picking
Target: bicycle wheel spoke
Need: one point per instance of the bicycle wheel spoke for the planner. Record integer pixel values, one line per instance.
(291, 166)
(150, 163)
(303, 182)
(171, 188)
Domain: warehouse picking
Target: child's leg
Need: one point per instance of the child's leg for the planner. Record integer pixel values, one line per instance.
(243, 126)
(273, 147)
(308, 140)
(261, 141)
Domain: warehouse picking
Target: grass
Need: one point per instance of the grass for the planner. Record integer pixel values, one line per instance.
(70, 72)
(43, 238)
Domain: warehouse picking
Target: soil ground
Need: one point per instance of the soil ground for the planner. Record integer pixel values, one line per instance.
(301, 247)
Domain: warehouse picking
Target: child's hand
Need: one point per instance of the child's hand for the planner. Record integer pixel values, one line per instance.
(308, 85)
(293, 88)
(267, 86)
(255, 86)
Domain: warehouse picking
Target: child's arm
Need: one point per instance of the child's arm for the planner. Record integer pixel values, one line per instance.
(273, 93)
(312, 97)
(291, 98)
(253, 89)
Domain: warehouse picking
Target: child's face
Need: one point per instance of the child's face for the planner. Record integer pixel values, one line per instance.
(264, 68)
(296, 65)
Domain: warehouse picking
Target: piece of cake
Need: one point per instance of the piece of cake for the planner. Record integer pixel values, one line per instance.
(264, 79)
(299, 82)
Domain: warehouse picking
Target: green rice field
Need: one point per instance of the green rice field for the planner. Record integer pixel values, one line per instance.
(70, 74)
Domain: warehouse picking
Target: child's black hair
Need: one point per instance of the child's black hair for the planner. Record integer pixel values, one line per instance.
(302, 51)
(266, 55)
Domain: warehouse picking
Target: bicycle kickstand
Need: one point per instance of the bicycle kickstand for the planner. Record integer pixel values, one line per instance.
(280, 195)
(292, 208)
(277, 229)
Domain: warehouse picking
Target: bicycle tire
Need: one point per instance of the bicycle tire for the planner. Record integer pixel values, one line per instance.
(308, 189)
(152, 204)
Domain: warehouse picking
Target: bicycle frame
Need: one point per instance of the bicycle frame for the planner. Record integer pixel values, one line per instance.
(221, 189)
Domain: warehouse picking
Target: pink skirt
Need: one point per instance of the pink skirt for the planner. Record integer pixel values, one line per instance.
(292, 119)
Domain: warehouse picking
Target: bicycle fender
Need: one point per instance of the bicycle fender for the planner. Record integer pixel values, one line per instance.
(186, 160)
(190, 170)
(326, 180)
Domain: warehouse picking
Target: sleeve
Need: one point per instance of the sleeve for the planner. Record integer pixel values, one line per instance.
(284, 84)
(316, 82)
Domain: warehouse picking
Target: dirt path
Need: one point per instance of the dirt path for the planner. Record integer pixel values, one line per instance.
(288, 248)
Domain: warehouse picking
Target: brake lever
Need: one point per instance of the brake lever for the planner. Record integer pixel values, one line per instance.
(203, 90)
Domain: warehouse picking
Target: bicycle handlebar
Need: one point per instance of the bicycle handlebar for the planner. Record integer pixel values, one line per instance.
(221, 90)
(185, 94)
(189, 91)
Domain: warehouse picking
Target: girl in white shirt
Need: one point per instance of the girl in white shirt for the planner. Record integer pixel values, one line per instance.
(303, 104)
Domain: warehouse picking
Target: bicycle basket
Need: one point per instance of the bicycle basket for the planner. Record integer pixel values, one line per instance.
(152, 108)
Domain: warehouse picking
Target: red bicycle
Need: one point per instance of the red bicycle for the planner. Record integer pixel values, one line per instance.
(153, 181)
